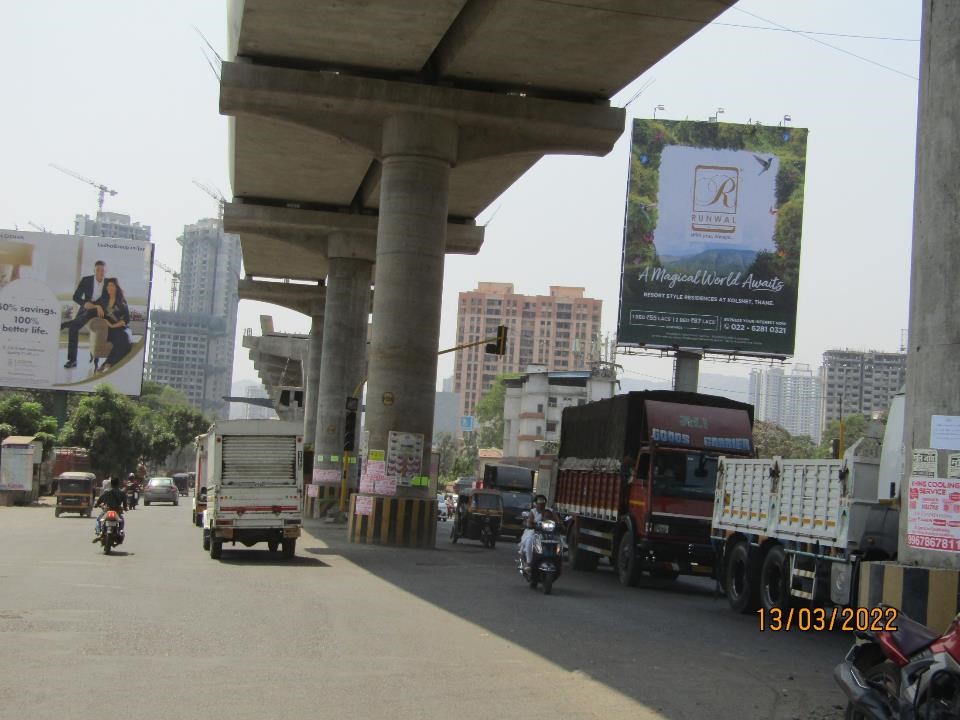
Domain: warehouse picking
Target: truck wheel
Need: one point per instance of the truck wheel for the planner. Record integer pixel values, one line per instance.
(56, 513)
(742, 582)
(775, 580)
(289, 547)
(206, 539)
(580, 559)
(272, 545)
(216, 548)
(628, 569)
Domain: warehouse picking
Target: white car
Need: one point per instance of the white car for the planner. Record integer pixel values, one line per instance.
(441, 508)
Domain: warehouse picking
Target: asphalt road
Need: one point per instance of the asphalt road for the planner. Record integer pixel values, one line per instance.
(354, 631)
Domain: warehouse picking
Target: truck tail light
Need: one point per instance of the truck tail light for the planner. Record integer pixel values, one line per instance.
(225, 522)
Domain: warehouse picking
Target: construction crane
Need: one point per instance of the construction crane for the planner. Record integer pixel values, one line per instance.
(32, 224)
(215, 194)
(174, 282)
(99, 186)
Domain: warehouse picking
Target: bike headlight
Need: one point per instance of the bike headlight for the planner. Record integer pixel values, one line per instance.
(548, 525)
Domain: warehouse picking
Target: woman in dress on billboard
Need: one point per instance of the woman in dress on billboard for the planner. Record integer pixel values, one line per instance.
(117, 315)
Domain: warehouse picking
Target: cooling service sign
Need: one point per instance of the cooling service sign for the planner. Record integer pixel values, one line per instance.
(73, 311)
(711, 251)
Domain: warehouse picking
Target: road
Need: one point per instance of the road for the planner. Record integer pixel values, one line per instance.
(361, 631)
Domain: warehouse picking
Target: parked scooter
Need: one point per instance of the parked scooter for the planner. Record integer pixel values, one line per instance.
(111, 530)
(910, 673)
(547, 557)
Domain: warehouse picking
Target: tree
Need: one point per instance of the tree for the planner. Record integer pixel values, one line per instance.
(446, 446)
(854, 427)
(771, 440)
(490, 412)
(466, 463)
(105, 423)
(26, 417)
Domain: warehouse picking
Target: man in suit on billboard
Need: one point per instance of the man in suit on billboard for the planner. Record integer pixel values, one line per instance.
(88, 293)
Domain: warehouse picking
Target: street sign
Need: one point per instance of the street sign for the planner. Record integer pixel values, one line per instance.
(467, 423)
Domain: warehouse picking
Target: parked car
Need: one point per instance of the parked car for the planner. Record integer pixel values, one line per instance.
(161, 489)
(441, 507)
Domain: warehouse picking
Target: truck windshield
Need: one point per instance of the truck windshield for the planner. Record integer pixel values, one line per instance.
(685, 475)
(514, 500)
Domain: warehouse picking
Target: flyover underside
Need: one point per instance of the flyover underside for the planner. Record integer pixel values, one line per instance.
(385, 128)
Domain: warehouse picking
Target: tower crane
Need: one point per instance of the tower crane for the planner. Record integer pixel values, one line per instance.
(100, 186)
(174, 282)
(215, 194)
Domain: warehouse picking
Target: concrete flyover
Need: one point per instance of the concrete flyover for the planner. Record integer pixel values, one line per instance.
(415, 116)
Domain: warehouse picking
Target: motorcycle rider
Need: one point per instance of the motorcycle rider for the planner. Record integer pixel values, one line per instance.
(538, 513)
(112, 499)
(131, 490)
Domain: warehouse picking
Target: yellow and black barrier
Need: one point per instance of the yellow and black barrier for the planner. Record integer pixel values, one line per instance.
(928, 595)
(400, 522)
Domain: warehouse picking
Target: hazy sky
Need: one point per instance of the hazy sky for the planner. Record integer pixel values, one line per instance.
(119, 91)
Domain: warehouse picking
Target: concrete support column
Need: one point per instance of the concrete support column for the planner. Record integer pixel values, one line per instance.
(418, 151)
(686, 371)
(344, 344)
(933, 359)
(311, 380)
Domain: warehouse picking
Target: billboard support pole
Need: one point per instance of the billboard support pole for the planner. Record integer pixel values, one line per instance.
(60, 407)
(686, 371)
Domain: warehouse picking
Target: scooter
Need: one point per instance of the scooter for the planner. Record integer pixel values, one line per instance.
(111, 530)
(547, 557)
(907, 673)
(132, 497)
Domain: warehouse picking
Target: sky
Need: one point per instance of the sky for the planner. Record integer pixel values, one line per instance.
(120, 92)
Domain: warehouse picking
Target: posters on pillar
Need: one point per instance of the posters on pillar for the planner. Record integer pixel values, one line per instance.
(711, 248)
(933, 513)
(313, 491)
(953, 465)
(364, 444)
(924, 462)
(364, 505)
(945, 432)
(404, 456)
(329, 476)
(45, 279)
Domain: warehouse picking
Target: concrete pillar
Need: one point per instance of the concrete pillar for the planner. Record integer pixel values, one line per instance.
(933, 359)
(345, 342)
(418, 151)
(686, 371)
(311, 380)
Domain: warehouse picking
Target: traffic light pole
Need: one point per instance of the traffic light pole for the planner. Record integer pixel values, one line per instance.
(499, 343)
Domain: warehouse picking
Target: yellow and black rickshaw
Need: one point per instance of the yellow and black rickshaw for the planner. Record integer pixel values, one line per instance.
(478, 516)
(76, 492)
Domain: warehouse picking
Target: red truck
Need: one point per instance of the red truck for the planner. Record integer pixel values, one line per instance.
(637, 472)
(63, 459)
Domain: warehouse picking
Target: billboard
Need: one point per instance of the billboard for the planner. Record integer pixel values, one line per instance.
(711, 248)
(73, 311)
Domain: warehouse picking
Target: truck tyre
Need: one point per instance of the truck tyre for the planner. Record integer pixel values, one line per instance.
(272, 545)
(206, 539)
(628, 568)
(580, 559)
(742, 580)
(775, 580)
(289, 547)
(56, 513)
(216, 548)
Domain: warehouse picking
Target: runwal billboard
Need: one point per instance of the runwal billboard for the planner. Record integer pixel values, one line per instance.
(711, 249)
(73, 311)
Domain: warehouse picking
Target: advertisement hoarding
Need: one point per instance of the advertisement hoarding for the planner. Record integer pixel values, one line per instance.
(73, 311)
(711, 251)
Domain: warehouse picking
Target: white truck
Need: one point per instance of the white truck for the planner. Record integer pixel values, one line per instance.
(795, 531)
(254, 479)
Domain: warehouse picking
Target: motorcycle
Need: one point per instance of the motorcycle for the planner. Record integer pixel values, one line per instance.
(547, 557)
(111, 531)
(132, 497)
(907, 673)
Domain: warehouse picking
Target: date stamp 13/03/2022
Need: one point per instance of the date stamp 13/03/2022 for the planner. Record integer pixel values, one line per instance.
(851, 619)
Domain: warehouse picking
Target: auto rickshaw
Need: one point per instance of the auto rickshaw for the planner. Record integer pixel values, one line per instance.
(76, 492)
(182, 481)
(478, 516)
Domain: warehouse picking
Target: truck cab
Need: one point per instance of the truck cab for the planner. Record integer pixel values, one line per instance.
(515, 484)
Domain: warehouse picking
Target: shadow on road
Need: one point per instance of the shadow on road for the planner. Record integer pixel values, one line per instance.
(674, 646)
(248, 557)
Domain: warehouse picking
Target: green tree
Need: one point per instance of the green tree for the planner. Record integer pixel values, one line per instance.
(854, 427)
(466, 463)
(446, 446)
(26, 417)
(489, 412)
(106, 423)
(771, 440)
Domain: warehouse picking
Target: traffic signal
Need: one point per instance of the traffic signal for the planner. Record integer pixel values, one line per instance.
(500, 346)
(350, 424)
